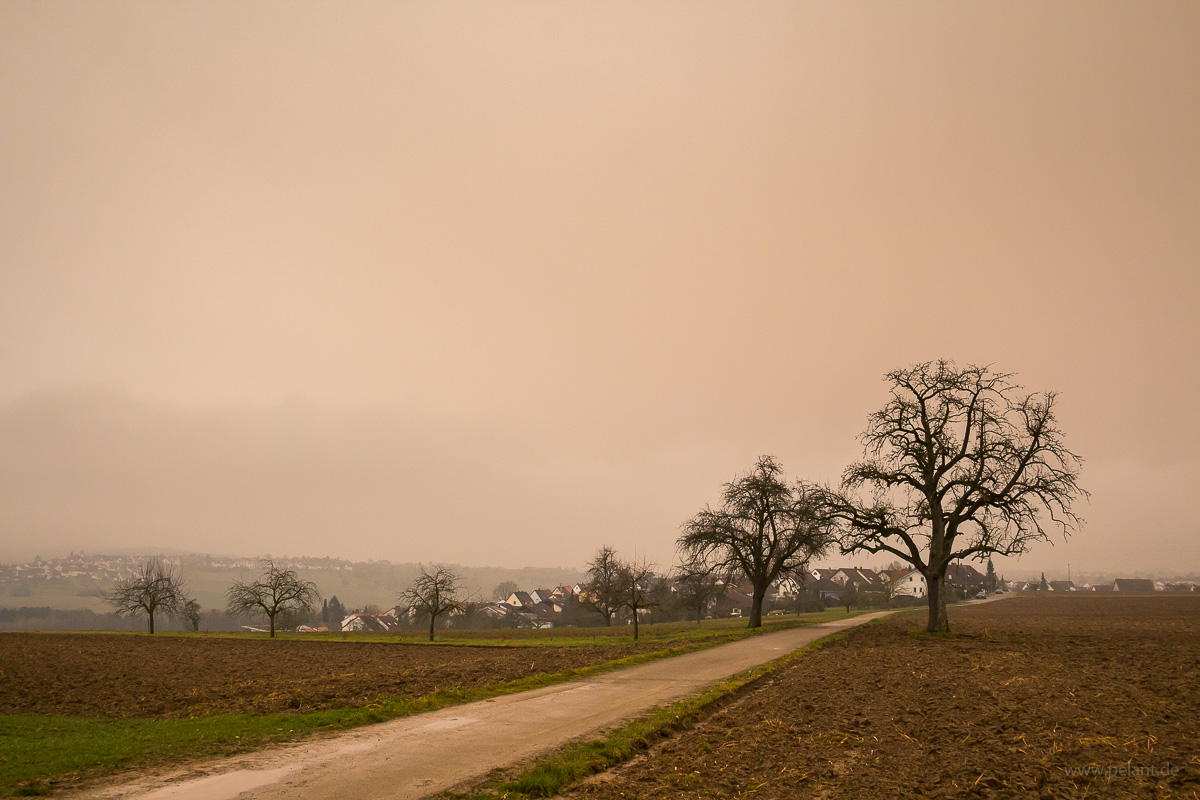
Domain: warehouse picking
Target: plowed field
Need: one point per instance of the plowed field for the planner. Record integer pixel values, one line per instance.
(1056, 697)
(102, 675)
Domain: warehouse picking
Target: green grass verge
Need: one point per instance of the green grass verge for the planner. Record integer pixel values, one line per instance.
(577, 760)
(40, 754)
(662, 632)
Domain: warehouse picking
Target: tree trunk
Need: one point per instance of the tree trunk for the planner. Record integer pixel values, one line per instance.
(608, 619)
(151, 615)
(635, 625)
(938, 622)
(756, 608)
(432, 619)
(271, 617)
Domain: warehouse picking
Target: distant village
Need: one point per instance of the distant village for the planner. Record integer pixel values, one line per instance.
(813, 590)
(109, 568)
(570, 604)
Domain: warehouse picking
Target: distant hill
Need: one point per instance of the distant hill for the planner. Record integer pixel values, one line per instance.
(75, 582)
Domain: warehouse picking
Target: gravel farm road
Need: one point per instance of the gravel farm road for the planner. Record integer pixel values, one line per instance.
(417, 756)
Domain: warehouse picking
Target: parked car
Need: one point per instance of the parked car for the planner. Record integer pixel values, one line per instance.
(981, 595)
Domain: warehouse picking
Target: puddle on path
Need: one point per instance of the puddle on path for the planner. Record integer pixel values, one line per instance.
(221, 787)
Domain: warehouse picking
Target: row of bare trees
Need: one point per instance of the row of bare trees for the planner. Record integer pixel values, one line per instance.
(763, 529)
(960, 463)
(155, 588)
(159, 589)
(615, 584)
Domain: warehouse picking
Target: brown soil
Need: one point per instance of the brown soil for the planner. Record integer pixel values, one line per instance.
(1065, 696)
(105, 675)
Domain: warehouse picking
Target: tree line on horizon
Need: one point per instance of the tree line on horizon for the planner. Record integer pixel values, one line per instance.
(959, 464)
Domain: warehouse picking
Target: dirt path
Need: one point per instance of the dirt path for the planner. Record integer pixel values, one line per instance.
(421, 755)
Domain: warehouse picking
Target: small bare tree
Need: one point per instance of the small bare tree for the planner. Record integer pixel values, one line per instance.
(603, 590)
(638, 589)
(700, 584)
(434, 594)
(891, 577)
(990, 581)
(276, 591)
(848, 595)
(801, 577)
(155, 587)
(190, 611)
(504, 589)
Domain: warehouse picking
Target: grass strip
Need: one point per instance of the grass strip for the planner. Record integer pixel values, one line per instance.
(39, 754)
(577, 760)
(661, 632)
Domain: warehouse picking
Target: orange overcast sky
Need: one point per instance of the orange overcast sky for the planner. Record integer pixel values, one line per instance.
(493, 283)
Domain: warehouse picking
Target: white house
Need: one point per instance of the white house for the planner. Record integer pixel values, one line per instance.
(785, 586)
(911, 584)
(519, 600)
(377, 623)
(496, 610)
(543, 596)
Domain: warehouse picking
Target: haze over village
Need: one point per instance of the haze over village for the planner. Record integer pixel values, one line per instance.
(366, 596)
(609, 400)
(521, 299)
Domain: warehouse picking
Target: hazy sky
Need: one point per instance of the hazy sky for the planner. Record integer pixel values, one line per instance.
(493, 283)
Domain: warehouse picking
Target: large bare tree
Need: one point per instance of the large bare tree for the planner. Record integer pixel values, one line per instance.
(277, 590)
(959, 464)
(434, 594)
(763, 528)
(155, 587)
